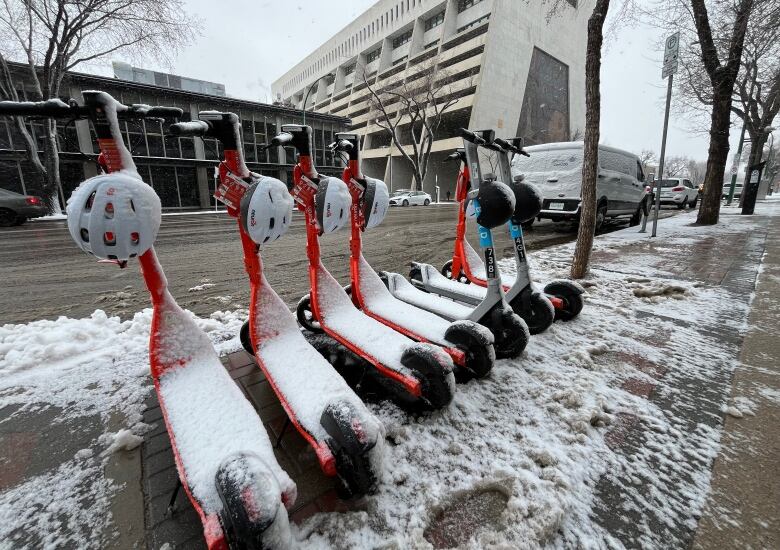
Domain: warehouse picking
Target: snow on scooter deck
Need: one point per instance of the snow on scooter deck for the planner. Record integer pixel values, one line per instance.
(298, 371)
(379, 301)
(405, 291)
(207, 416)
(375, 339)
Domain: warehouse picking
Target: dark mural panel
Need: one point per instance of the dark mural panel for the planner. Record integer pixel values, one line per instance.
(544, 117)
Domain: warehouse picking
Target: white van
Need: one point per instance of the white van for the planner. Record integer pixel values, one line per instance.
(556, 170)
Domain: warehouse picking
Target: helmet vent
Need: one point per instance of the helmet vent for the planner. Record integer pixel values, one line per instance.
(109, 239)
(90, 200)
(134, 238)
(132, 206)
(271, 223)
(109, 210)
(270, 196)
(84, 235)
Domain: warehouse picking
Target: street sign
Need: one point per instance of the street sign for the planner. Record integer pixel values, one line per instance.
(671, 52)
(671, 55)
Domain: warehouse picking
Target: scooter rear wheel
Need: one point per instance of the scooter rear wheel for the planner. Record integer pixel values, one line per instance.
(353, 462)
(480, 353)
(446, 270)
(510, 331)
(436, 378)
(306, 317)
(571, 294)
(251, 506)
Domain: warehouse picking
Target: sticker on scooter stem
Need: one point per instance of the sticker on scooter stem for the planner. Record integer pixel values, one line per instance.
(490, 263)
(516, 232)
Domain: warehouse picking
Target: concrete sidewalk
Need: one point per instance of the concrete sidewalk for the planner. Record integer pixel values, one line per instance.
(742, 507)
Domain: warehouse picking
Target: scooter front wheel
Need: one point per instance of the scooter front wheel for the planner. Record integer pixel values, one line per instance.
(306, 317)
(433, 368)
(539, 315)
(246, 340)
(571, 295)
(510, 331)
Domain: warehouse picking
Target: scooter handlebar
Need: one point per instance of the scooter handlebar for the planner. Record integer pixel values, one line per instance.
(196, 128)
(471, 136)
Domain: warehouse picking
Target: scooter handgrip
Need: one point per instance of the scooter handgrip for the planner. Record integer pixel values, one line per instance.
(197, 128)
(471, 136)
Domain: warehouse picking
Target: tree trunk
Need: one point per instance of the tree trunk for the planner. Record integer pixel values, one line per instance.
(720, 124)
(757, 141)
(590, 167)
(51, 159)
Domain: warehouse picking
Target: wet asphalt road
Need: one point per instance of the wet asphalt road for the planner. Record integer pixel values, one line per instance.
(44, 275)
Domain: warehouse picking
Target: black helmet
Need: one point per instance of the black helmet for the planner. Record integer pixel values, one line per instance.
(528, 201)
(496, 203)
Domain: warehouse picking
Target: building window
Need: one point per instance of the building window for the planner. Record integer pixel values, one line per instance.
(349, 69)
(432, 44)
(373, 55)
(475, 23)
(400, 60)
(544, 117)
(463, 5)
(435, 21)
(402, 39)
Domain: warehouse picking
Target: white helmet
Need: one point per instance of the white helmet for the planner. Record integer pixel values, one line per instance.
(114, 216)
(332, 204)
(376, 201)
(266, 209)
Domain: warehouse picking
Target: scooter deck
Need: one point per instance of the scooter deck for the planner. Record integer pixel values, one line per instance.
(378, 301)
(207, 416)
(439, 284)
(380, 344)
(299, 373)
(406, 292)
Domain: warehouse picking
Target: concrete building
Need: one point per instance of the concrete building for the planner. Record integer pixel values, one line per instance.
(181, 170)
(518, 71)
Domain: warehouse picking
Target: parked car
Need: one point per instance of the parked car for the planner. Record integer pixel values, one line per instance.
(556, 169)
(15, 209)
(679, 192)
(737, 190)
(406, 197)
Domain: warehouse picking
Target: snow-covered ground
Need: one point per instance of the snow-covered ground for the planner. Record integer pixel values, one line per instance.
(544, 431)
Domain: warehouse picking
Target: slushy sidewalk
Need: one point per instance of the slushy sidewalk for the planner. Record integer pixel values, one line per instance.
(690, 293)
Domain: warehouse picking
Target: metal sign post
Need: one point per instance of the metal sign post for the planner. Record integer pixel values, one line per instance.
(671, 54)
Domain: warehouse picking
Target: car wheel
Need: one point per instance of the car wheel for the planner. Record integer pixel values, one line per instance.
(20, 220)
(7, 217)
(601, 217)
(683, 204)
(694, 202)
(426, 203)
(405, 203)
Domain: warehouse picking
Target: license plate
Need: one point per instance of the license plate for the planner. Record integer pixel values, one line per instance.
(556, 206)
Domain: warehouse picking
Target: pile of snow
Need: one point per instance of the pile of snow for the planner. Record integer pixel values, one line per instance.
(97, 366)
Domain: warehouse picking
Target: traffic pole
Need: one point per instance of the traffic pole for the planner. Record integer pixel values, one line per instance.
(663, 154)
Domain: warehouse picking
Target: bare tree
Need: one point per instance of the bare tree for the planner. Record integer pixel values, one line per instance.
(645, 158)
(411, 111)
(675, 166)
(52, 37)
(696, 170)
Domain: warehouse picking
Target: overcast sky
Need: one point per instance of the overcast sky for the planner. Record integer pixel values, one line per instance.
(247, 44)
